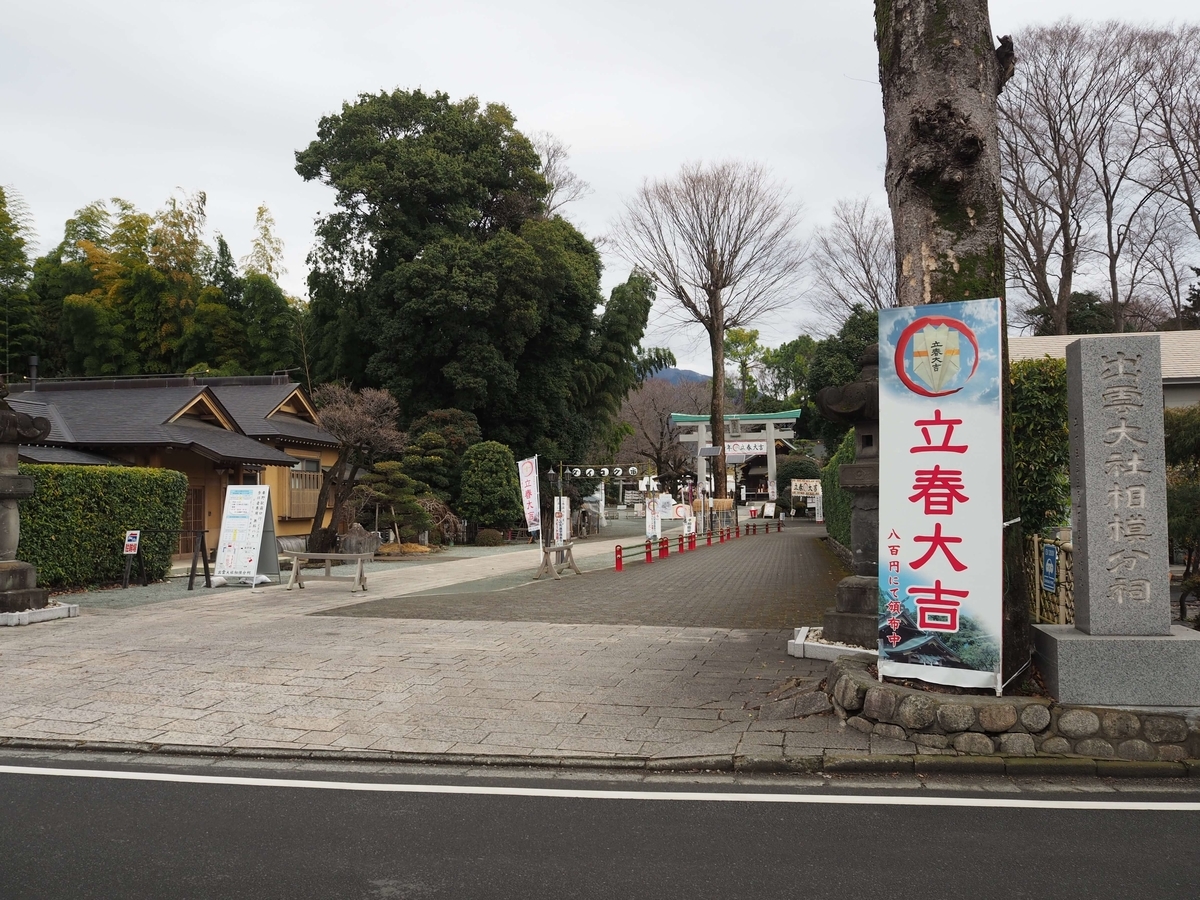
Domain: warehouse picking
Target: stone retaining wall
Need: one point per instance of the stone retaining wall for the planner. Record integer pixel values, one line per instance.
(952, 724)
(841, 552)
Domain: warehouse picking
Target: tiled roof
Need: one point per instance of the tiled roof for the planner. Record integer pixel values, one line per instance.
(100, 418)
(250, 404)
(1180, 350)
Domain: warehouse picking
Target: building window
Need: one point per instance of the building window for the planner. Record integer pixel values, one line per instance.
(304, 484)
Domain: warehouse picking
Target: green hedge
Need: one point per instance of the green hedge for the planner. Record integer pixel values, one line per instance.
(835, 498)
(1040, 447)
(73, 528)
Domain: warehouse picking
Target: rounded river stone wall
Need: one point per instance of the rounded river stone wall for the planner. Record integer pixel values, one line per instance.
(1008, 726)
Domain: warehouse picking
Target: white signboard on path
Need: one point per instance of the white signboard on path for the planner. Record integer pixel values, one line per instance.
(562, 520)
(247, 544)
(653, 519)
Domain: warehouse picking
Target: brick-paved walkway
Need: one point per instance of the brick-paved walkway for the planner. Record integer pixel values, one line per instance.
(766, 581)
(657, 663)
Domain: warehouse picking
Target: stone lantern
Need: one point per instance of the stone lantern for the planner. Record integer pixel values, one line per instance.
(18, 580)
(855, 617)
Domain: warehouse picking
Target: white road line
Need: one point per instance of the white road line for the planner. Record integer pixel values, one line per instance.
(568, 794)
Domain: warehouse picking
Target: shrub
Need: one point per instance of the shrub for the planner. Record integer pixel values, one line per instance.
(1040, 445)
(73, 527)
(490, 492)
(488, 537)
(835, 498)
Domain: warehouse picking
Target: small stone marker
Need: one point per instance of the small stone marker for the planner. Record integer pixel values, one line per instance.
(1118, 486)
(1123, 649)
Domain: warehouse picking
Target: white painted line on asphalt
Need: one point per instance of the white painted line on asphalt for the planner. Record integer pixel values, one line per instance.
(568, 794)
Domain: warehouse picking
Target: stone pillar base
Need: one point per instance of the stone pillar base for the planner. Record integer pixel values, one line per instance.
(1116, 670)
(855, 618)
(18, 587)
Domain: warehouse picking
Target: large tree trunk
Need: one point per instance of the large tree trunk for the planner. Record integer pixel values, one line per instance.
(940, 78)
(716, 340)
(320, 538)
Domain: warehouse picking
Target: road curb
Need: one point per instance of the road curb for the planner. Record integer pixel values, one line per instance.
(829, 763)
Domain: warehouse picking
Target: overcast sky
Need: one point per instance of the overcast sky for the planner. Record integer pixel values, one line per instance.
(136, 99)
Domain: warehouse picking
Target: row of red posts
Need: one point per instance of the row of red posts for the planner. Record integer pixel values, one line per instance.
(688, 542)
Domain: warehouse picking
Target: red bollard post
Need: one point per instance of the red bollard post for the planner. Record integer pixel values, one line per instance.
(738, 532)
(721, 536)
(709, 536)
(649, 551)
(692, 541)
(681, 543)
(664, 548)
(620, 559)
(779, 527)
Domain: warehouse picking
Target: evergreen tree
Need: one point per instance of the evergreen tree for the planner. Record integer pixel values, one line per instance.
(438, 277)
(490, 493)
(429, 459)
(17, 338)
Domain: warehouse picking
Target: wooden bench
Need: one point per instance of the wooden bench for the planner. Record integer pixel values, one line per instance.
(359, 578)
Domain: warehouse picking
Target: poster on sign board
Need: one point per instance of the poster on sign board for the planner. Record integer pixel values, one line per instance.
(940, 505)
(246, 547)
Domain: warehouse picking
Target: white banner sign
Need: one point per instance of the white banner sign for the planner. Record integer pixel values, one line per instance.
(242, 522)
(653, 520)
(751, 448)
(806, 487)
(562, 520)
(527, 470)
(940, 509)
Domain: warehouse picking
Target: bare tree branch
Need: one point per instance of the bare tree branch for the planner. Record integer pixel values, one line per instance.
(853, 261)
(719, 240)
(564, 185)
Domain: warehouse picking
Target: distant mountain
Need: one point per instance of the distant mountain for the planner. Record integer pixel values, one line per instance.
(677, 375)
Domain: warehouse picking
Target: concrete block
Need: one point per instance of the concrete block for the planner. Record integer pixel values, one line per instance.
(1133, 670)
(45, 614)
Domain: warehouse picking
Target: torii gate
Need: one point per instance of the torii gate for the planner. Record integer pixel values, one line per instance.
(771, 426)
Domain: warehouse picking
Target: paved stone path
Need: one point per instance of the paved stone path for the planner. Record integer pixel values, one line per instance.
(658, 663)
(766, 581)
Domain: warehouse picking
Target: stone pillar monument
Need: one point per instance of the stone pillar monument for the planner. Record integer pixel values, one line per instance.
(18, 580)
(1122, 649)
(855, 616)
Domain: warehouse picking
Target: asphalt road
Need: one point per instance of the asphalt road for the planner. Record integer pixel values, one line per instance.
(354, 834)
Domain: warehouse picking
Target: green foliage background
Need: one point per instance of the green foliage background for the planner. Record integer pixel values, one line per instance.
(490, 492)
(836, 499)
(835, 363)
(1041, 450)
(73, 528)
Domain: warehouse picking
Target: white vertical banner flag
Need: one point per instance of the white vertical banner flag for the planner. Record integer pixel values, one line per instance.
(653, 517)
(527, 470)
(562, 520)
(940, 510)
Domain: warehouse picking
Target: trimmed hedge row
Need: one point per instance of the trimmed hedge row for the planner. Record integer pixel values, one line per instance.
(73, 528)
(835, 498)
